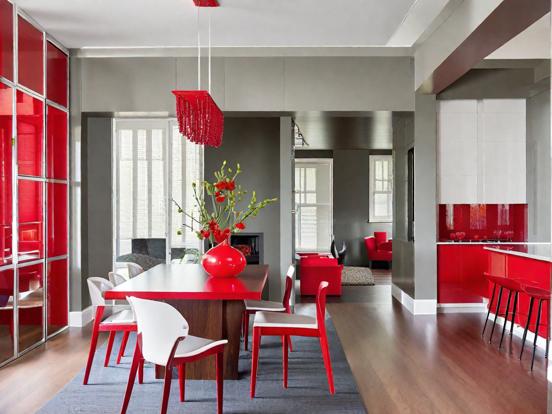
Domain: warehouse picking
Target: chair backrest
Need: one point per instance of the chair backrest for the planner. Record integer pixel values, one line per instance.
(116, 278)
(380, 236)
(321, 305)
(96, 287)
(160, 326)
(289, 285)
(134, 269)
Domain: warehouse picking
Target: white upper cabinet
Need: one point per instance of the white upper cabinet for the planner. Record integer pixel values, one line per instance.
(481, 151)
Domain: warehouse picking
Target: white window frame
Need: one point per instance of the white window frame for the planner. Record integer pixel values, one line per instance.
(319, 161)
(373, 159)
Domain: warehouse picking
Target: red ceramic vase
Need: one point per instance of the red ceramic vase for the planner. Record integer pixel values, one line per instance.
(223, 261)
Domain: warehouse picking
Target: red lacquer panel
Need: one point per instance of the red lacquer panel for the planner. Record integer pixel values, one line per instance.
(56, 150)
(6, 39)
(6, 314)
(30, 116)
(57, 296)
(6, 108)
(31, 243)
(31, 303)
(30, 56)
(56, 75)
(57, 219)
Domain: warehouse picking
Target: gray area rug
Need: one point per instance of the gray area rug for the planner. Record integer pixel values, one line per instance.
(357, 276)
(307, 392)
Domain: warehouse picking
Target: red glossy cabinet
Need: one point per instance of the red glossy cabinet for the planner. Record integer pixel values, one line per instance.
(6, 99)
(56, 143)
(31, 223)
(30, 56)
(57, 303)
(56, 80)
(57, 219)
(30, 119)
(30, 303)
(6, 39)
(6, 314)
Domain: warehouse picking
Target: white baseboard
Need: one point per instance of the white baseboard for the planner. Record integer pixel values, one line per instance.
(414, 306)
(82, 318)
(461, 307)
(518, 331)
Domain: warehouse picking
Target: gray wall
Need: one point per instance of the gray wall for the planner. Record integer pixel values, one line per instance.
(538, 167)
(255, 144)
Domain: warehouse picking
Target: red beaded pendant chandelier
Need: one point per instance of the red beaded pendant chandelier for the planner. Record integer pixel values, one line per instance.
(200, 120)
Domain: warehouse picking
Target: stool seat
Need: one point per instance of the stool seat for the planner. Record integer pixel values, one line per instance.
(537, 293)
(510, 284)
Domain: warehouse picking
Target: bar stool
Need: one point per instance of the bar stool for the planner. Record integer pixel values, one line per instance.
(542, 295)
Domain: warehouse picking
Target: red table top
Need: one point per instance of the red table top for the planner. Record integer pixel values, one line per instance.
(189, 281)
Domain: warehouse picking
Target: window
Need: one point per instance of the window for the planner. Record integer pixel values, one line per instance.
(381, 188)
(154, 165)
(313, 204)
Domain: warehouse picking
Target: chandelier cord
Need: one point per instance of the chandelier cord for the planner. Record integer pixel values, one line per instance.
(198, 53)
(209, 49)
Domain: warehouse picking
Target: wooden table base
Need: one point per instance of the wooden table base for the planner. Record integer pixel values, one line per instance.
(212, 319)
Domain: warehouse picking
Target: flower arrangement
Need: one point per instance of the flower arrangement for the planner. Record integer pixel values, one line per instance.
(218, 204)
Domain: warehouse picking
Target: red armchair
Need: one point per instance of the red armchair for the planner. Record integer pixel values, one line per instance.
(315, 269)
(378, 248)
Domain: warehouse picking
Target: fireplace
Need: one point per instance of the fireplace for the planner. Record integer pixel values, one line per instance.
(250, 244)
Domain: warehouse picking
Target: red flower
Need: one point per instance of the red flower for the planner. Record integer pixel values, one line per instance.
(213, 225)
(205, 234)
(218, 194)
(220, 236)
(240, 225)
(220, 199)
(231, 185)
(221, 185)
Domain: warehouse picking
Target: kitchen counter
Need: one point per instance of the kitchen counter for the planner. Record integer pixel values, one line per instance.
(542, 252)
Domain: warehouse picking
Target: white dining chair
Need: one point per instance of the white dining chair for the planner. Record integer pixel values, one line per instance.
(134, 269)
(254, 306)
(168, 344)
(116, 278)
(118, 321)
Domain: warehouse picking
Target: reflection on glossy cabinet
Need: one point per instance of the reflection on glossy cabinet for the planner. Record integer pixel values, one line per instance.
(30, 303)
(30, 119)
(30, 56)
(31, 240)
(57, 219)
(6, 98)
(6, 314)
(57, 295)
(6, 39)
(56, 143)
(56, 74)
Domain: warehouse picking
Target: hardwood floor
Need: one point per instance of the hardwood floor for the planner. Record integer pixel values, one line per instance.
(402, 363)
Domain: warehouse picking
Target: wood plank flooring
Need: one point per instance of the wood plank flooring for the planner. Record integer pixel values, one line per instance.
(402, 363)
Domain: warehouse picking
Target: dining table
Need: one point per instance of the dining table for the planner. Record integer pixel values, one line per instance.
(213, 307)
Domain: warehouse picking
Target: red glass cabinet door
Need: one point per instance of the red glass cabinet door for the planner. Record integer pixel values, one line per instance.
(56, 137)
(30, 116)
(6, 314)
(6, 108)
(57, 219)
(57, 296)
(6, 39)
(31, 241)
(56, 75)
(31, 303)
(30, 56)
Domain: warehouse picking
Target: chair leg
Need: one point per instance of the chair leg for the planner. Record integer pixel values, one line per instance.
(141, 372)
(514, 313)
(255, 359)
(526, 326)
(91, 352)
(327, 361)
(123, 346)
(496, 312)
(285, 346)
(109, 347)
(489, 311)
(289, 343)
(505, 318)
(131, 378)
(547, 304)
(246, 331)
(220, 380)
(536, 333)
(182, 380)
(166, 389)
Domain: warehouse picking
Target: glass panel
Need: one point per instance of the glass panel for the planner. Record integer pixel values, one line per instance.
(57, 75)
(56, 137)
(6, 314)
(6, 39)
(30, 115)
(381, 203)
(57, 296)
(6, 108)
(30, 56)
(30, 305)
(31, 244)
(57, 219)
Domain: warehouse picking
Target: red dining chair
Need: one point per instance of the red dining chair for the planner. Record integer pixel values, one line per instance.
(285, 325)
(254, 306)
(120, 320)
(168, 344)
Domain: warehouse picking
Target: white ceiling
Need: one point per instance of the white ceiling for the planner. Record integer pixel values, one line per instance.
(239, 23)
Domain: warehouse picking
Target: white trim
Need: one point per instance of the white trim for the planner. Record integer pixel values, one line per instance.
(518, 331)
(462, 307)
(83, 318)
(414, 306)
